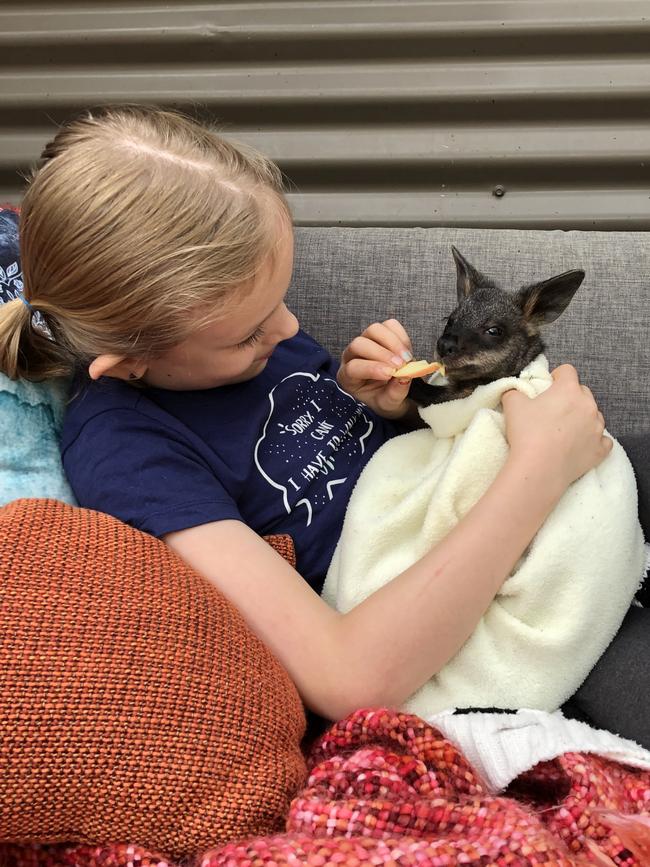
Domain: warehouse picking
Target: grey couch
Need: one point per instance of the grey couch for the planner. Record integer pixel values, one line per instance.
(346, 278)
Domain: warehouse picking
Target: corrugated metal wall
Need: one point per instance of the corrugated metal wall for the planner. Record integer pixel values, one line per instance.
(471, 113)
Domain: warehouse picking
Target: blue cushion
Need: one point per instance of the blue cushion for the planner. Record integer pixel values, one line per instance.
(31, 413)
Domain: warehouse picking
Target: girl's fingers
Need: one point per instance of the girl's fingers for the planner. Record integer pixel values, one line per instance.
(588, 393)
(512, 397)
(391, 337)
(360, 369)
(365, 348)
(566, 373)
(397, 390)
(567, 376)
(396, 326)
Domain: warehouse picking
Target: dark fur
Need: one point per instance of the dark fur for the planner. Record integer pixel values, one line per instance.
(471, 354)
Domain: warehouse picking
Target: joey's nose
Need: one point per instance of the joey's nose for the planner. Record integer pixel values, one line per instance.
(447, 345)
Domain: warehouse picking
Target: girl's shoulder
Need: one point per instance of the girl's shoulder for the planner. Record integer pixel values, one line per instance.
(103, 397)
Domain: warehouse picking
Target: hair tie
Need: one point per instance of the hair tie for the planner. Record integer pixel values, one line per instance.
(37, 319)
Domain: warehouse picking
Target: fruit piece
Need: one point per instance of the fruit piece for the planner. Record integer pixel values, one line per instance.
(418, 368)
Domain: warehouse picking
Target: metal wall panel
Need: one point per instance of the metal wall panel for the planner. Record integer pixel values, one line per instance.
(470, 113)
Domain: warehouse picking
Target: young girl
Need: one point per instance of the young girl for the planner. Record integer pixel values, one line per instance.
(159, 256)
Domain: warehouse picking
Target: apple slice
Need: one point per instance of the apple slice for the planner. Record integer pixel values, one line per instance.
(418, 368)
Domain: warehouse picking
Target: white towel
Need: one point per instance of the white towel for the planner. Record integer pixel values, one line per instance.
(558, 611)
(502, 746)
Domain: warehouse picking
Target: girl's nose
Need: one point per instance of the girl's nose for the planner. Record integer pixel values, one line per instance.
(284, 324)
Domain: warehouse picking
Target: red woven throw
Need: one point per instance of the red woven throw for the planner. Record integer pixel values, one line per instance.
(387, 789)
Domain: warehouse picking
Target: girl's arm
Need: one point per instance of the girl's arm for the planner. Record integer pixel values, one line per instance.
(389, 645)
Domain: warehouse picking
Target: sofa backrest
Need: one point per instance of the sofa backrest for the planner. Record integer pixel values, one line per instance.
(344, 279)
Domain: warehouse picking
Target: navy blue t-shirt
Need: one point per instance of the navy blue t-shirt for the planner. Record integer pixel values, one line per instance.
(280, 452)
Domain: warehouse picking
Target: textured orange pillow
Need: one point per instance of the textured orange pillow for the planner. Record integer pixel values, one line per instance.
(135, 704)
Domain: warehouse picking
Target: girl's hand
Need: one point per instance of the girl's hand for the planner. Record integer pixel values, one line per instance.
(562, 429)
(367, 366)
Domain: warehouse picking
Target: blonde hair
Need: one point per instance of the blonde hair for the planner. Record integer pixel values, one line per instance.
(137, 217)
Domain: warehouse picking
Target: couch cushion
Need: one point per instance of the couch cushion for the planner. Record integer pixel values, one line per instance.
(346, 278)
(135, 704)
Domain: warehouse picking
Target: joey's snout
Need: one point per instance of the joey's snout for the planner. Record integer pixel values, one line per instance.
(447, 346)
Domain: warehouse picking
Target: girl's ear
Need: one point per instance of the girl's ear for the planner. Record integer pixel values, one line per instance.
(117, 366)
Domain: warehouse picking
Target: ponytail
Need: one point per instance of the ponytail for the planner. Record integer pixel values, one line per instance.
(26, 351)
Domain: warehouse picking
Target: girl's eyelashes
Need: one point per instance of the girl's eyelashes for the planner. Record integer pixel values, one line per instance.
(254, 337)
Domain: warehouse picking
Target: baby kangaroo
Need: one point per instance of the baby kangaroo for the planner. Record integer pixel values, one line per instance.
(492, 333)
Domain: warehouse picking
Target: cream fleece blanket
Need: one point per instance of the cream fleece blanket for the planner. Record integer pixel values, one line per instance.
(558, 611)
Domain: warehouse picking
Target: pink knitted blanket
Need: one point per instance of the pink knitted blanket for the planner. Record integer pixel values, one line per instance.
(385, 788)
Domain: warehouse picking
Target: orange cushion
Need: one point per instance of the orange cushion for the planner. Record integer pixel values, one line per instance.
(135, 704)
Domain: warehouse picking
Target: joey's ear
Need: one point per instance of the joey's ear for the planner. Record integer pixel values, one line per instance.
(467, 277)
(116, 366)
(544, 302)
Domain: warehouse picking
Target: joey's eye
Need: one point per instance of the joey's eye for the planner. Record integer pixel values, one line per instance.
(494, 331)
